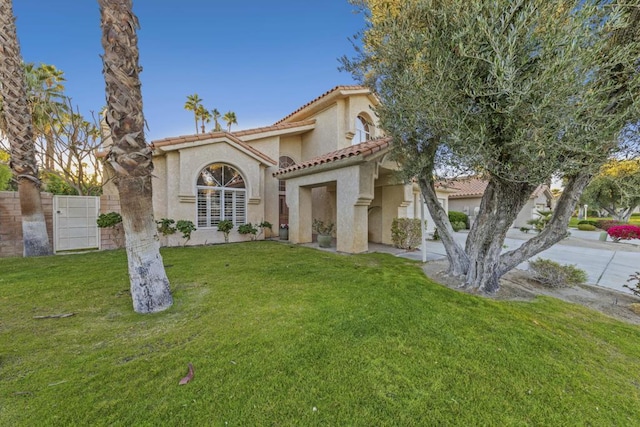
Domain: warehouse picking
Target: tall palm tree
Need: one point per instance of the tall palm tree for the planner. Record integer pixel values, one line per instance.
(192, 104)
(45, 95)
(19, 130)
(130, 157)
(230, 118)
(204, 115)
(216, 120)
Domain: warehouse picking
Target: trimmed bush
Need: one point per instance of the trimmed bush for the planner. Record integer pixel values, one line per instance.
(605, 224)
(406, 233)
(555, 275)
(458, 225)
(589, 221)
(455, 216)
(586, 227)
(624, 232)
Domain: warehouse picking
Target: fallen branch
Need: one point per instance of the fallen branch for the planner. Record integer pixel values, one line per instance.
(55, 316)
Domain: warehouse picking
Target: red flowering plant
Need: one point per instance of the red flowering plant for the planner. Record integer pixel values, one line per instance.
(624, 232)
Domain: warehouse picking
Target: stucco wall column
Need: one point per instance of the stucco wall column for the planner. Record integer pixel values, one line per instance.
(352, 228)
(299, 200)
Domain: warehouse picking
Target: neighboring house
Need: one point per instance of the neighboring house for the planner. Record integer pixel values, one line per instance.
(468, 195)
(326, 160)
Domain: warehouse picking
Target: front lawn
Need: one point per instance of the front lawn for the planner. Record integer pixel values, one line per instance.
(287, 335)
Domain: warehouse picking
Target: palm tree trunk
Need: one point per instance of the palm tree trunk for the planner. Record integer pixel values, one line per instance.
(130, 157)
(19, 130)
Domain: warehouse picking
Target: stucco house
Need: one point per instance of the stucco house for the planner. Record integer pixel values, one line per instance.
(468, 193)
(326, 160)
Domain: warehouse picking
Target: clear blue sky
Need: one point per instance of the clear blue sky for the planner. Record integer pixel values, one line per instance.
(260, 59)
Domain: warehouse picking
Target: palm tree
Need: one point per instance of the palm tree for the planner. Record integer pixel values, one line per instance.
(45, 95)
(130, 157)
(216, 117)
(18, 128)
(230, 118)
(192, 104)
(204, 115)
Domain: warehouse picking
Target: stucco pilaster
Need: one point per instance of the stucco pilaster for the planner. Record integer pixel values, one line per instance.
(299, 200)
(352, 208)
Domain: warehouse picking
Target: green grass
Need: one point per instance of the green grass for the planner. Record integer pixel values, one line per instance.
(274, 331)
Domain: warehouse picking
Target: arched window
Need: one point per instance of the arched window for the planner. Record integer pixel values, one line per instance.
(221, 195)
(363, 132)
(284, 162)
(283, 209)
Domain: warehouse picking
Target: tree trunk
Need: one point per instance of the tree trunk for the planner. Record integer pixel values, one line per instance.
(556, 228)
(19, 130)
(501, 203)
(149, 283)
(130, 157)
(458, 260)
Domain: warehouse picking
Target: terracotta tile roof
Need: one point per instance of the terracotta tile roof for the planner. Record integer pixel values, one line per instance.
(466, 187)
(363, 149)
(540, 190)
(329, 92)
(475, 187)
(205, 136)
(276, 127)
(211, 135)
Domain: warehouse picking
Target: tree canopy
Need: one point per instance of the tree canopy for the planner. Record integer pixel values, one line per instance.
(616, 189)
(518, 91)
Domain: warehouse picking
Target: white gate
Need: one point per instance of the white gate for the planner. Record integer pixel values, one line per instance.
(74, 223)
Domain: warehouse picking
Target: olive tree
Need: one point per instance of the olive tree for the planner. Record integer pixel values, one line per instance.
(616, 189)
(518, 91)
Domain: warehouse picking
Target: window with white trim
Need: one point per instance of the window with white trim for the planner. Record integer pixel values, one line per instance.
(363, 131)
(221, 194)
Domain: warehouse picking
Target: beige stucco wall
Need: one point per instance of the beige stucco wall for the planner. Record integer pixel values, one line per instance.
(175, 187)
(335, 126)
(460, 204)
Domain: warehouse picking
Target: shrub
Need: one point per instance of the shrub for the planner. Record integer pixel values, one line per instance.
(110, 219)
(455, 216)
(635, 215)
(541, 222)
(624, 232)
(605, 224)
(635, 287)
(586, 227)
(166, 227)
(186, 227)
(406, 233)
(459, 225)
(225, 226)
(555, 275)
(248, 228)
(589, 221)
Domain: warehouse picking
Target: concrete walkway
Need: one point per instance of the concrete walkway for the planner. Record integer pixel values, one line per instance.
(607, 264)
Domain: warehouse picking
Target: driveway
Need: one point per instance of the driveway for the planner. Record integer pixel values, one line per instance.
(606, 263)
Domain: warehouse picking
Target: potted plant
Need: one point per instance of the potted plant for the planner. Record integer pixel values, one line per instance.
(324, 231)
(284, 232)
